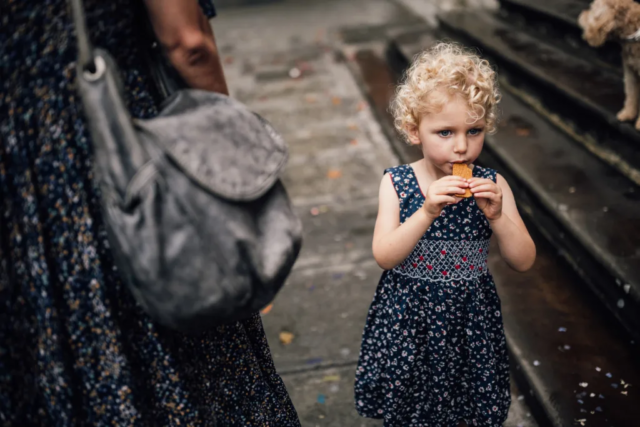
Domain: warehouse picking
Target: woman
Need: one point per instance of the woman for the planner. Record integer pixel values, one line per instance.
(75, 349)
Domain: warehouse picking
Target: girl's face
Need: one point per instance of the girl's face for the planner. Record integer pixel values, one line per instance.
(449, 136)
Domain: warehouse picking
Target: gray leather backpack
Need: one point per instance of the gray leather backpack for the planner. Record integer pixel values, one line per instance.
(201, 228)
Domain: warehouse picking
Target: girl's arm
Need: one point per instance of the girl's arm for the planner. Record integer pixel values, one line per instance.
(516, 245)
(393, 242)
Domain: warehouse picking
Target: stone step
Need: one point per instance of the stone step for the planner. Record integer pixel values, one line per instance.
(564, 344)
(563, 12)
(556, 21)
(580, 97)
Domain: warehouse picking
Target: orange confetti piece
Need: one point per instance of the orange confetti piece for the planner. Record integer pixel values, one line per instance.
(286, 338)
(334, 174)
(336, 100)
(362, 106)
(267, 309)
(354, 142)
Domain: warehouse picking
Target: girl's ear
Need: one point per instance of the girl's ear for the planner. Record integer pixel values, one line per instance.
(413, 135)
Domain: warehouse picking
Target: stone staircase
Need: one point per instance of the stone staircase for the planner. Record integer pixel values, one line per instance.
(573, 322)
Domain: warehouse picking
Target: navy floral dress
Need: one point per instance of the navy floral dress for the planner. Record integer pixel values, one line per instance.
(433, 350)
(75, 349)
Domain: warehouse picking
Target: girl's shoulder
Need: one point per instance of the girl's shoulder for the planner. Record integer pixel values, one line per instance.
(399, 172)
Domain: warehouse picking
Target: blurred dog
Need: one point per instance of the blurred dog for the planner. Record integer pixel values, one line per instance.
(618, 20)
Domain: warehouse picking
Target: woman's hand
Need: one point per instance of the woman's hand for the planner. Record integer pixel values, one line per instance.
(488, 196)
(441, 193)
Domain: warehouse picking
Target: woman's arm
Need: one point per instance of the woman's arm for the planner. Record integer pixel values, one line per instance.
(187, 38)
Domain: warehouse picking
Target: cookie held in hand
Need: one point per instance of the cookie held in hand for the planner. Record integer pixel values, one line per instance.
(464, 171)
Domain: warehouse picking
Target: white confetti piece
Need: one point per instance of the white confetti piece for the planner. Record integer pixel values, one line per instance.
(592, 395)
(520, 397)
(567, 347)
(623, 392)
(583, 384)
(598, 368)
(536, 363)
(562, 329)
(582, 422)
(609, 375)
(294, 73)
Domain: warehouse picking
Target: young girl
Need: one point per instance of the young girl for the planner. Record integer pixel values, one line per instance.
(433, 350)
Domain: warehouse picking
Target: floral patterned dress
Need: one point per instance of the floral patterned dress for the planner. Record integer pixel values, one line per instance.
(433, 349)
(75, 349)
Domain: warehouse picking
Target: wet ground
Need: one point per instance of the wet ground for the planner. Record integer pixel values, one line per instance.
(289, 61)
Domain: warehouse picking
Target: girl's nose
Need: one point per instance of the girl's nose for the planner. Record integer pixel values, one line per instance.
(460, 145)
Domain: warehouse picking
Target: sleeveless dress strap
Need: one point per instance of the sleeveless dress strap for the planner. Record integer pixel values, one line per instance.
(486, 173)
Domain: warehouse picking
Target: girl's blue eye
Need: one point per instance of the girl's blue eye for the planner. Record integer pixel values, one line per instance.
(474, 132)
(444, 133)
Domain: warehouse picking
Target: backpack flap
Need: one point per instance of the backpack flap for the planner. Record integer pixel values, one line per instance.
(218, 142)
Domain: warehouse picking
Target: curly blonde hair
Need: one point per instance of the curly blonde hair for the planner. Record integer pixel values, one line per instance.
(449, 67)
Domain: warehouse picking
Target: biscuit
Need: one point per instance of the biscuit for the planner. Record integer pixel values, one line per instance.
(464, 171)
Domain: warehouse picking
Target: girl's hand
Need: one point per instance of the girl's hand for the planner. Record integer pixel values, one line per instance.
(488, 196)
(440, 193)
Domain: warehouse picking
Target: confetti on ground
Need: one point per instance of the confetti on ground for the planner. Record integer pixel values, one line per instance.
(592, 395)
(345, 352)
(598, 368)
(334, 388)
(520, 397)
(353, 126)
(536, 363)
(354, 142)
(321, 399)
(348, 245)
(523, 131)
(567, 347)
(562, 329)
(331, 378)
(362, 106)
(295, 73)
(582, 422)
(609, 375)
(267, 309)
(624, 392)
(324, 209)
(310, 99)
(228, 60)
(334, 174)
(286, 337)
(336, 100)
(598, 409)
(625, 384)
(321, 417)
(315, 211)
(338, 276)
(601, 396)
(614, 385)
(583, 384)
(314, 361)
(580, 401)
